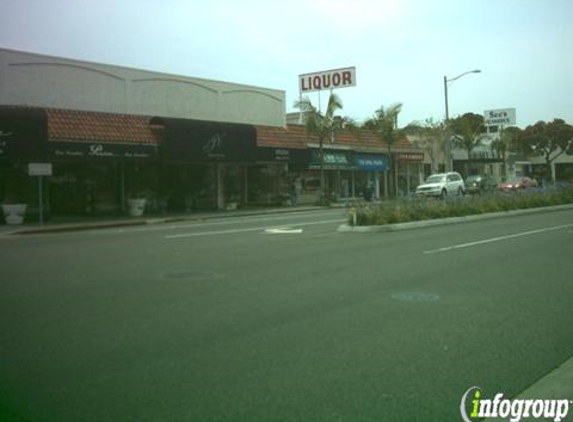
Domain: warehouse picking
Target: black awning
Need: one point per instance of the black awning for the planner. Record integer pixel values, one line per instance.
(196, 140)
(23, 133)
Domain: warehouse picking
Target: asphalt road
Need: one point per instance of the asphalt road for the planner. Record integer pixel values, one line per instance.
(224, 321)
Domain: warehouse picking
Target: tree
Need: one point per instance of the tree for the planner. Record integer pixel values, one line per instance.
(383, 126)
(430, 137)
(468, 132)
(549, 140)
(506, 142)
(323, 126)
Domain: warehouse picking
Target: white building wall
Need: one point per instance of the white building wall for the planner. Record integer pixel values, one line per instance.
(44, 81)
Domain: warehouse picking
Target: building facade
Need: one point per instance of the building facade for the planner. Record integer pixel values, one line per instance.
(113, 134)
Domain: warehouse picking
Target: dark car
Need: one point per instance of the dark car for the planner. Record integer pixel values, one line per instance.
(480, 184)
(517, 183)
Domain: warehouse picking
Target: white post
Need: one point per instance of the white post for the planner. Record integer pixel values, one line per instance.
(41, 202)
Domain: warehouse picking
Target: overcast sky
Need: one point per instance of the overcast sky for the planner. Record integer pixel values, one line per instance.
(401, 48)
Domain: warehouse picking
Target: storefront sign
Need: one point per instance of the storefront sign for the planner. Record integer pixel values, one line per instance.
(410, 156)
(372, 162)
(40, 169)
(332, 160)
(330, 79)
(501, 117)
(101, 150)
(282, 155)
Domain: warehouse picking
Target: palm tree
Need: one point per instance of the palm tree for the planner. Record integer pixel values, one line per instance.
(505, 142)
(384, 126)
(323, 126)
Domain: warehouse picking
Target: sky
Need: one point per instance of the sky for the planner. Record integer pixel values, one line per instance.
(402, 49)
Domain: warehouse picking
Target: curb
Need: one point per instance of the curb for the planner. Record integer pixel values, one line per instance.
(345, 228)
(142, 222)
(556, 385)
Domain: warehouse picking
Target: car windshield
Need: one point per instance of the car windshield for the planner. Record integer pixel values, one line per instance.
(473, 179)
(436, 178)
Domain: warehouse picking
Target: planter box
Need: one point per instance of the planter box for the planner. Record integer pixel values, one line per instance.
(136, 206)
(14, 213)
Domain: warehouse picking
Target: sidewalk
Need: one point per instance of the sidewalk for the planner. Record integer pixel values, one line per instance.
(78, 223)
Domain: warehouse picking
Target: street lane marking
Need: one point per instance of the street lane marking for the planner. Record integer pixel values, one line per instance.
(199, 223)
(251, 229)
(284, 230)
(496, 239)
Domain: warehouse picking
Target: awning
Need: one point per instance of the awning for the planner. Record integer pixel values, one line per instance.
(75, 134)
(372, 162)
(22, 133)
(196, 140)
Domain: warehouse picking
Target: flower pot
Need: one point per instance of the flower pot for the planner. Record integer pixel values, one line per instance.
(14, 213)
(136, 206)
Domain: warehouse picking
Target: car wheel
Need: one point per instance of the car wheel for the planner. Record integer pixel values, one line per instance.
(444, 194)
(460, 191)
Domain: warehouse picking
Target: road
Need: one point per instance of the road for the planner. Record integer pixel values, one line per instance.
(223, 320)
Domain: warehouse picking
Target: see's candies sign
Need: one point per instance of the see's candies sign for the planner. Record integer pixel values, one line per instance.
(330, 79)
(501, 117)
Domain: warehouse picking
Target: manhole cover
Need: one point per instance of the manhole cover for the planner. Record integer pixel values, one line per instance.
(415, 297)
(188, 275)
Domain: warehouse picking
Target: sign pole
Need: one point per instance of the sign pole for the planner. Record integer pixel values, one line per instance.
(41, 201)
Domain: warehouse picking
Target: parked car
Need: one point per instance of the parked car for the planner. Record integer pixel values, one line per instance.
(480, 183)
(442, 185)
(515, 183)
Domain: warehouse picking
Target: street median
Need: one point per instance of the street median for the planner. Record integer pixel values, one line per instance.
(413, 213)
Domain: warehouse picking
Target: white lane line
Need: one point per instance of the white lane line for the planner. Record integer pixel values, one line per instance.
(251, 229)
(200, 223)
(497, 239)
(283, 230)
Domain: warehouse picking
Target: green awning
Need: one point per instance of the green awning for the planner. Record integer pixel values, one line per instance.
(332, 160)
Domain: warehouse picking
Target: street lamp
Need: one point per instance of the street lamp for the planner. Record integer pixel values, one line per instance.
(446, 80)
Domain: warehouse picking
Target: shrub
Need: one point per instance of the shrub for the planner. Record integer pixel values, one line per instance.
(404, 210)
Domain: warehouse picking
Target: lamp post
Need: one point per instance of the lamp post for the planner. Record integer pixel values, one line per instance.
(448, 146)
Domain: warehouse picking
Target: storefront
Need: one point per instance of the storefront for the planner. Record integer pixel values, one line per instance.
(98, 178)
(98, 160)
(371, 175)
(338, 175)
(22, 138)
(409, 171)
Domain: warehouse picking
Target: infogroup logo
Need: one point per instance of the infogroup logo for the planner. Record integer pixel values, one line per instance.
(514, 410)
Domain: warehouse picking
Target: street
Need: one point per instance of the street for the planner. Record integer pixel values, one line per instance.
(233, 320)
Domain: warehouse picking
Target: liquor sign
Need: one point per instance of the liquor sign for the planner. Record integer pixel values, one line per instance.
(501, 117)
(330, 79)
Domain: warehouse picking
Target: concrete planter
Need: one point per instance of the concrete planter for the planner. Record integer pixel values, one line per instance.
(136, 206)
(14, 213)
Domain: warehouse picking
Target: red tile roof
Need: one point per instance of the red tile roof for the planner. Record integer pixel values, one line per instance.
(89, 126)
(295, 137)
